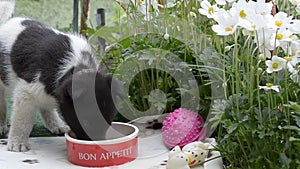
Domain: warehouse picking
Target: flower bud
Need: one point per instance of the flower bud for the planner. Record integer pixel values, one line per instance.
(262, 57)
(166, 36)
(227, 48)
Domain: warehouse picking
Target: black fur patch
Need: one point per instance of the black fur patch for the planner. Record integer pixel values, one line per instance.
(38, 50)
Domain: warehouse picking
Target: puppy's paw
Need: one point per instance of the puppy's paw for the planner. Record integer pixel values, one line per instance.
(18, 146)
(3, 129)
(60, 129)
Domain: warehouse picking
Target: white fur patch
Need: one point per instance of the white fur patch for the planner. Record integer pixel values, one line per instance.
(10, 32)
(6, 10)
(78, 45)
(37, 92)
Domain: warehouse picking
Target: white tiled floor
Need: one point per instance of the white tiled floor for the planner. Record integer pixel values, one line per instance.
(51, 153)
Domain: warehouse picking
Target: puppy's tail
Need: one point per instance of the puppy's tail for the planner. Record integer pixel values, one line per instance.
(6, 10)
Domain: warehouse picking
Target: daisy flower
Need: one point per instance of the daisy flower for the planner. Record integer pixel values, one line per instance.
(295, 2)
(280, 20)
(294, 26)
(227, 23)
(270, 86)
(262, 8)
(275, 64)
(282, 37)
(207, 9)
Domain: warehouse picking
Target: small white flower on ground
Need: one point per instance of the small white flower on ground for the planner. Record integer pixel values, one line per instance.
(275, 64)
(207, 9)
(269, 86)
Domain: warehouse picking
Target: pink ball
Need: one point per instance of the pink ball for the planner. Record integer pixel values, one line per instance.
(182, 127)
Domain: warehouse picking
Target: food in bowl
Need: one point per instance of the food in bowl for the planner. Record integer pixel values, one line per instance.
(119, 147)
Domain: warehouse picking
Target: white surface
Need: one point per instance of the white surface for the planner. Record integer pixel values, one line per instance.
(51, 153)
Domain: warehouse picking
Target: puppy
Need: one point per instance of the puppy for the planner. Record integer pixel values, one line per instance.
(46, 70)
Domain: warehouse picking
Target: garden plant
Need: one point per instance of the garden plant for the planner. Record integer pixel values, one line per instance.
(245, 50)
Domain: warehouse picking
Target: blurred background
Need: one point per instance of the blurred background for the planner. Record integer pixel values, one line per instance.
(59, 13)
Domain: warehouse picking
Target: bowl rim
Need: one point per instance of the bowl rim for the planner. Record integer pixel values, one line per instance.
(106, 142)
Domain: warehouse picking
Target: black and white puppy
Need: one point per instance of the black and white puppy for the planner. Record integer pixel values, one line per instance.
(47, 70)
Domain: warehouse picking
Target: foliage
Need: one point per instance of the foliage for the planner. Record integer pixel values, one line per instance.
(147, 42)
(250, 54)
(258, 126)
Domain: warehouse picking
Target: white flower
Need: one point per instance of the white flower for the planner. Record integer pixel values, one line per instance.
(282, 37)
(263, 37)
(269, 86)
(227, 23)
(262, 8)
(290, 65)
(207, 9)
(243, 9)
(280, 20)
(223, 2)
(297, 9)
(254, 22)
(275, 64)
(295, 2)
(294, 26)
(145, 6)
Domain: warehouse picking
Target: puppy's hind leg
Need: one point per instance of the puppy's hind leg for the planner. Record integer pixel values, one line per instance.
(53, 122)
(3, 125)
(22, 119)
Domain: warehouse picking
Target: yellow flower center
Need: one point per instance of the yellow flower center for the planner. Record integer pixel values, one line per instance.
(229, 28)
(139, 2)
(211, 10)
(275, 65)
(278, 23)
(243, 14)
(288, 59)
(293, 53)
(279, 36)
(253, 26)
(269, 84)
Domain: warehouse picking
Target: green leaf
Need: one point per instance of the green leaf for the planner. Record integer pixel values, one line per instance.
(291, 128)
(232, 128)
(293, 139)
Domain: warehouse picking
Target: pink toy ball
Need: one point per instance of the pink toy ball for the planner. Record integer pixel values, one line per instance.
(182, 127)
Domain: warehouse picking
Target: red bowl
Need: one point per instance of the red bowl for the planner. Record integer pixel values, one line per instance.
(120, 147)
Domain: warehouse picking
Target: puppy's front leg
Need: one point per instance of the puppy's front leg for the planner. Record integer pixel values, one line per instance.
(3, 126)
(53, 122)
(24, 107)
